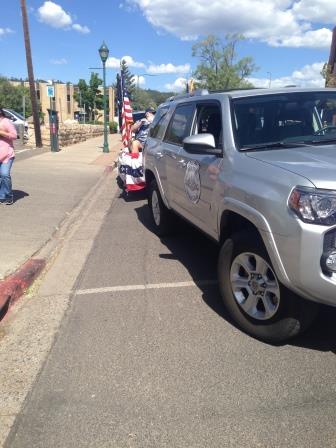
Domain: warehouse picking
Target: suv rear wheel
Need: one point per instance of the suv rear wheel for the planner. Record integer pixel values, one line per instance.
(162, 217)
(253, 295)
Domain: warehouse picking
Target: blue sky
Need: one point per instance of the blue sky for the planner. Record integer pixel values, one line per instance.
(289, 40)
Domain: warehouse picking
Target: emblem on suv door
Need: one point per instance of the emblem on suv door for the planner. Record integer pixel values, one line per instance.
(192, 182)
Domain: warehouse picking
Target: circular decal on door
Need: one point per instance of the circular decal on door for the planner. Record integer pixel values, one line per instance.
(192, 181)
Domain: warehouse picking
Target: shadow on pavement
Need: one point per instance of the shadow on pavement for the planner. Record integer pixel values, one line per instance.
(19, 194)
(132, 196)
(199, 255)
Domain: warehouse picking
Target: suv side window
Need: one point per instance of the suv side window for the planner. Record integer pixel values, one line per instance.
(208, 120)
(180, 124)
(158, 125)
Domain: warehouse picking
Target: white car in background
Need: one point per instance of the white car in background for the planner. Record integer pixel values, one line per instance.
(17, 120)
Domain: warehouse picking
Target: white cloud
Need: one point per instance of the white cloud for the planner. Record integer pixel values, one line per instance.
(312, 39)
(321, 11)
(152, 69)
(113, 62)
(54, 15)
(307, 76)
(280, 23)
(177, 86)
(80, 28)
(4, 31)
(132, 63)
(168, 68)
(60, 61)
(139, 80)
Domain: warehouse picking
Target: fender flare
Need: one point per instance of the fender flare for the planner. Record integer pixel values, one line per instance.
(260, 222)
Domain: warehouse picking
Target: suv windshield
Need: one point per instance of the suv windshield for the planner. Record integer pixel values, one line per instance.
(288, 119)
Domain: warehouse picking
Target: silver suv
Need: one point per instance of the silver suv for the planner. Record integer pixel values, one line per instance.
(256, 171)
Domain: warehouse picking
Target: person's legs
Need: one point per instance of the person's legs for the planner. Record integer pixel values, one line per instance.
(6, 193)
(136, 146)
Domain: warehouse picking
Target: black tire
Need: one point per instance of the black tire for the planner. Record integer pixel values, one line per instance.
(290, 315)
(162, 217)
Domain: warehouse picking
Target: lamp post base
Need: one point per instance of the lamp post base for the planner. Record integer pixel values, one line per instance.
(106, 148)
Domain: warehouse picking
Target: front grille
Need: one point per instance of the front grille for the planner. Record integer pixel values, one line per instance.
(329, 244)
(329, 241)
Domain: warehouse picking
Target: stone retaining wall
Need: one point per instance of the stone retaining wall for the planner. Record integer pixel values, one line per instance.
(68, 134)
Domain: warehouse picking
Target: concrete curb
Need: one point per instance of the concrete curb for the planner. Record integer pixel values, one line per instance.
(16, 284)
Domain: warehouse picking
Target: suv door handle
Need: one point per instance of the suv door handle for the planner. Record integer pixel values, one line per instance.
(182, 163)
(158, 155)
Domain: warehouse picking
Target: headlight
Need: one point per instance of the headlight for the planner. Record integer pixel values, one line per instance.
(313, 205)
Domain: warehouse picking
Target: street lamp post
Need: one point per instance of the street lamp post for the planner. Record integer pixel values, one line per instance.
(103, 53)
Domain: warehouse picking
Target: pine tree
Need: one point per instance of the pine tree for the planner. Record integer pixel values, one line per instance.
(129, 79)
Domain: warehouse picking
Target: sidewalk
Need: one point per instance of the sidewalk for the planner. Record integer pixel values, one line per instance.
(47, 189)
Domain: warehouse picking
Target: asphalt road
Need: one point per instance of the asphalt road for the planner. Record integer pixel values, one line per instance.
(146, 358)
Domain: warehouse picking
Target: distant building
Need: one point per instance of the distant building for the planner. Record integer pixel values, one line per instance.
(63, 101)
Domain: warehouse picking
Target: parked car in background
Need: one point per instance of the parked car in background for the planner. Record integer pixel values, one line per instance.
(18, 120)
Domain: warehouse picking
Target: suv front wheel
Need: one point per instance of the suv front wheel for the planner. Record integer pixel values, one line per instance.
(253, 295)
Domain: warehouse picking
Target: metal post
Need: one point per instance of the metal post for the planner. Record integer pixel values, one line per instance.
(80, 106)
(24, 106)
(60, 106)
(105, 146)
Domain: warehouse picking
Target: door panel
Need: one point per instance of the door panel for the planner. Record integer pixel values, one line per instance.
(178, 128)
(198, 173)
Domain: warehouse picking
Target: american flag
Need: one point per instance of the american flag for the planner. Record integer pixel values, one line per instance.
(127, 115)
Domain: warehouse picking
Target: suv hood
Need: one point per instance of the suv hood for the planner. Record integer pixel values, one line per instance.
(316, 163)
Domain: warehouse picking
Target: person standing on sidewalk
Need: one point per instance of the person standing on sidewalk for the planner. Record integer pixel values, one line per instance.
(7, 137)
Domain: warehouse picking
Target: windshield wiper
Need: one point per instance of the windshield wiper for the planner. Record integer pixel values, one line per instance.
(321, 142)
(280, 144)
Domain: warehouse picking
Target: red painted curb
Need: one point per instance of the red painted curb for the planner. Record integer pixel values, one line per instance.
(14, 286)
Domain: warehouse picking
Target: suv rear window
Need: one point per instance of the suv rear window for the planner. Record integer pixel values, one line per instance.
(180, 124)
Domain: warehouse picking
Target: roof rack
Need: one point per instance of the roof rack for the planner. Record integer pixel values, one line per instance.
(197, 92)
(234, 89)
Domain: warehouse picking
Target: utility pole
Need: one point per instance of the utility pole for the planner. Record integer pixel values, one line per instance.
(33, 96)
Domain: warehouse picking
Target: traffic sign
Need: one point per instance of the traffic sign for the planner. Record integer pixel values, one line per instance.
(50, 91)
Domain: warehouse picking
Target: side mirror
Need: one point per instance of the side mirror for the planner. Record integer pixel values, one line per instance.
(201, 144)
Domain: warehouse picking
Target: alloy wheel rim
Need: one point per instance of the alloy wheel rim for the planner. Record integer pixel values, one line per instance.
(255, 286)
(156, 208)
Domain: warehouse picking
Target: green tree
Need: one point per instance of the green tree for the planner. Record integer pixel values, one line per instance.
(90, 95)
(141, 100)
(220, 67)
(144, 98)
(11, 96)
(129, 79)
